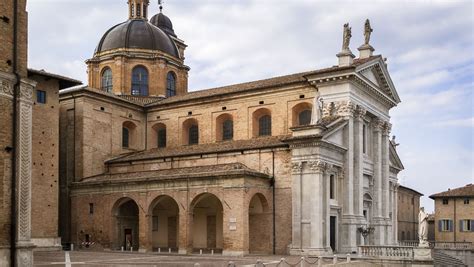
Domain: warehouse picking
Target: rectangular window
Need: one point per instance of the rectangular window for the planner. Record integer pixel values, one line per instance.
(40, 97)
(445, 225)
(445, 201)
(125, 137)
(466, 201)
(466, 225)
(91, 208)
(331, 187)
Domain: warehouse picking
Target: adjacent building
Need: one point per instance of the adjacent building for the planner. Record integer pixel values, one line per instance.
(454, 215)
(291, 164)
(408, 211)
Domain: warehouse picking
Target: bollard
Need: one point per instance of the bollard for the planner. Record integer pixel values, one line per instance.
(231, 264)
(302, 262)
(122, 248)
(212, 252)
(159, 250)
(348, 258)
(200, 252)
(334, 259)
(282, 262)
(131, 249)
(169, 250)
(320, 261)
(259, 263)
(72, 247)
(197, 265)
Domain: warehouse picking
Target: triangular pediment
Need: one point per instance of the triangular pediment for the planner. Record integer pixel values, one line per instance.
(394, 159)
(376, 75)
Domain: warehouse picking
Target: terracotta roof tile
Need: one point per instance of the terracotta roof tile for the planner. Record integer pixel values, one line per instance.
(465, 191)
(221, 170)
(220, 147)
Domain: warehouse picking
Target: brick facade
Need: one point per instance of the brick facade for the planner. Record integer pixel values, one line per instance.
(408, 211)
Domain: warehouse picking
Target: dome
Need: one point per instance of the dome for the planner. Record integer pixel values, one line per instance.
(163, 22)
(137, 33)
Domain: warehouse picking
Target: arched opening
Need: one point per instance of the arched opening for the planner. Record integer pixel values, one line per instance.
(106, 80)
(190, 132)
(159, 135)
(301, 114)
(128, 135)
(164, 224)
(262, 122)
(126, 222)
(224, 127)
(207, 223)
(260, 225)
(140, 81)
(170, 84)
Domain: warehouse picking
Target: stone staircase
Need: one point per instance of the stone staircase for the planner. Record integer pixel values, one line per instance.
(442, 259)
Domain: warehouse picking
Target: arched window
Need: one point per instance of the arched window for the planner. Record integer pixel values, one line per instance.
(193, 135)
(125, 137)
(106, 84)
(265, 125)
(227, 130)
(170, 84)
(162, 137)
(140, 81)
(304, 117)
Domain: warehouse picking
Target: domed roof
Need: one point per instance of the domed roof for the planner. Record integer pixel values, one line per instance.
(163, 22)
(137, 33)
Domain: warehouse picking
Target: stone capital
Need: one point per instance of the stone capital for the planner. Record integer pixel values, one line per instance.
(296, 167)
(386, 129)
(318, 166)
(359, 112)
(379, 124)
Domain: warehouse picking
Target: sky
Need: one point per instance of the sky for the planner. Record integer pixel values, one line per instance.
(429, 46)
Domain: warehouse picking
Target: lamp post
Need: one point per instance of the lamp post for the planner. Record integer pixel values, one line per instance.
(365, 230)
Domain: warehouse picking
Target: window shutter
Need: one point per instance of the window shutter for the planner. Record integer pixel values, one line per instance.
(472, 225)
(440, 226)
(450, 225)
(461, 226)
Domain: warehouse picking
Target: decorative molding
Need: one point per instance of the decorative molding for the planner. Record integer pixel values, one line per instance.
(379, 124)
(6, 88)
(387, 128)
(318, 165)
(359, 112)
(296, 167)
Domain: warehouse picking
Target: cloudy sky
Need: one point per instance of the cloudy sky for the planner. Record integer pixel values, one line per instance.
(429, 46)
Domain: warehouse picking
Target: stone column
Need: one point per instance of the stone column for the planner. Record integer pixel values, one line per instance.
(317, 206)
(359, 162)
(297, 167)
(327, 209)
(378, 180)
(385, 178)
(182, 231)
(395, 214)
(24, 245)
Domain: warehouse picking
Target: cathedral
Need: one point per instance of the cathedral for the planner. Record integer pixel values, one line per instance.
(296, 164)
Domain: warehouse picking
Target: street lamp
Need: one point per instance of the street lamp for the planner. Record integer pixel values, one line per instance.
(365, 230)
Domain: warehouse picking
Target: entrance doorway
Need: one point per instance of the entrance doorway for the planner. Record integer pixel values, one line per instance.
(126, 224)
(164, 224)
(332, 233)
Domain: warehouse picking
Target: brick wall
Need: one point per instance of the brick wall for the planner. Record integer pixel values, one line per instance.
(455, 211)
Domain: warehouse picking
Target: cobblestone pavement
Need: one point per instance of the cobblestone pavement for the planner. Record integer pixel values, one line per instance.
(122, 259)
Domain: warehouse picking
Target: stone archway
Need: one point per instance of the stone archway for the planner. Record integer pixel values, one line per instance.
(126, 215)
(260, 225)
(164, 224)
(207, 223)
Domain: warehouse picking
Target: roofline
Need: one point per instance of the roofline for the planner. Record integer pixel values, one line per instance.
(438, 195)
(410, 189)
(52, 75)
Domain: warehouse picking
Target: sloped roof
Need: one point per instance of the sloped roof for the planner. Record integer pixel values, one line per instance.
(64, 82)
(220, 170)
(410, 189)
(465, 191)
(220, 147)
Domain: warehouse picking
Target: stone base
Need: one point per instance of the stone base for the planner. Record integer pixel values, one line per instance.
(24, 254)
(345, 58)
(422, 254)
(366, 51)
(233, 253)
(310, 252)
(47, 244)
(4, 256)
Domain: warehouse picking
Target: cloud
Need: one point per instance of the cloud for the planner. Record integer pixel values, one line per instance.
(428, 44)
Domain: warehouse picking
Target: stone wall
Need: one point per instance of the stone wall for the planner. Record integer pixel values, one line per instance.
(408, 210)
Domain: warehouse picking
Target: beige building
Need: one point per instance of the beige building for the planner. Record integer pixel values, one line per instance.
(408, 211)
(291, 164)
(454, 215)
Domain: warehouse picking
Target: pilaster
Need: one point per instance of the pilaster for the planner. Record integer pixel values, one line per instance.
(359, 161)
(378, 179)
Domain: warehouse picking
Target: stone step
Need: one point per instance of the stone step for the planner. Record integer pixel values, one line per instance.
(442, 259)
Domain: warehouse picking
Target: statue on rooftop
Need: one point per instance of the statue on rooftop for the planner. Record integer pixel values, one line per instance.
(346, 37)
(367, 31)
